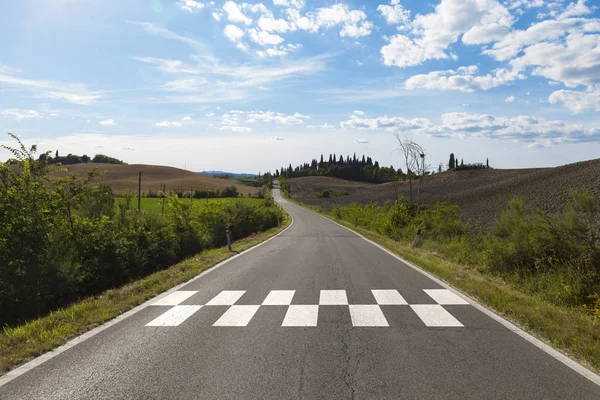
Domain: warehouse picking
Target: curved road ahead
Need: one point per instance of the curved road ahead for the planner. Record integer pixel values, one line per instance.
(315, 313)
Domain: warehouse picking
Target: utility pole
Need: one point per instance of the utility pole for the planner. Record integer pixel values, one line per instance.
(140, 192)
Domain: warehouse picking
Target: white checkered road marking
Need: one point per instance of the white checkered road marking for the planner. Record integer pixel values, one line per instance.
(435, 315)
(333, 298)
(362, 315)
(237, 316)
(279, 298)
(226, 298)
(388, 297)
(301, 316)
(174, 316)
(445, 297)
(175, 298)
(367, 315)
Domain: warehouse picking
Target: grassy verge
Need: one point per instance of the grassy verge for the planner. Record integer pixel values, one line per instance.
(154, 204)
(568, 329)
(22, 343)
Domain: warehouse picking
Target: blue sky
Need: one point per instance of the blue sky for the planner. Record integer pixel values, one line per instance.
(254, 86)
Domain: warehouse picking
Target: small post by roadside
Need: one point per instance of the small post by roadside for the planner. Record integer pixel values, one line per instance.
(140, 192)
(163, 197)
(417, 241)
(228, 239)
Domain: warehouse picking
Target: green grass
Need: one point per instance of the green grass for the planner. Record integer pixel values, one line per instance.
(568, 329)
(22, 343)
(153, 204)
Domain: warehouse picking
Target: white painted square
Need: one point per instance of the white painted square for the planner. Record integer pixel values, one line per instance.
(367, 315)
(175, 298)
(174, 316)
(435, 315)
(333, 297)
(226, 298)
(237, 316)
(445, 297)
(388, 297)
(279, 298)
(301, 315)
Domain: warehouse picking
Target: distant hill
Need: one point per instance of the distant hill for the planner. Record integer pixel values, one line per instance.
(481, 194)
(229, 174)
(125, 177)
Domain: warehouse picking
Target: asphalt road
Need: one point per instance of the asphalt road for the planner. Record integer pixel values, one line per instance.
(315, 313)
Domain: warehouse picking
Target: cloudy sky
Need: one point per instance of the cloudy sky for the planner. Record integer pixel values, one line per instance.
(253, 86)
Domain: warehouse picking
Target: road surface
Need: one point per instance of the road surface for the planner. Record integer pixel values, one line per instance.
(315, 313)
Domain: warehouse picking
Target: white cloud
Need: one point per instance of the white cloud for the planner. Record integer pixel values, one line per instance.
(108, 122)
(478, 21)
(210, 114)
(510, 99)
(72, 93)
(278, 138)
(190, 5)
(233, 33)
(216, 16)
(577, 102)
(463, 79)
(574, 62)
(359, 113)
(354, 22)
(235, 14)
(575, 10)
(20, 114)
(357, 30)
(281, 118)
(549, 30)
(235, 128)
(187, 118)
(324, 126)
(463, 125)
(270, 24)
(217, 81)
(264, 38)
(289, 3)
(395, 14)
(168, 124)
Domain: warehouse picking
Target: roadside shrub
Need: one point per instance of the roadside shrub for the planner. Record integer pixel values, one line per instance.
(62, 239)
(554, 256)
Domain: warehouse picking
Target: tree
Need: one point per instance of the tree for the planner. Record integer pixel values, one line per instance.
(451, 163)
(56, 154)
(462, 164)
(321, 163)
(487, 162)
(410, 153)
(440, 168)
(85, 158)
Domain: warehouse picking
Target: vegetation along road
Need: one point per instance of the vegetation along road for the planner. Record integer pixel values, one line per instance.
(316, 312)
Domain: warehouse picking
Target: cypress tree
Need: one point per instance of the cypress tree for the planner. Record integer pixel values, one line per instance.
(451, 163)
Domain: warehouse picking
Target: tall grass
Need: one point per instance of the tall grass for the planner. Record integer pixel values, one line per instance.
(555, 257)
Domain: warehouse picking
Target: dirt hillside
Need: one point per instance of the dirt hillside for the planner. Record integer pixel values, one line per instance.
(481, 194)
(122, 177)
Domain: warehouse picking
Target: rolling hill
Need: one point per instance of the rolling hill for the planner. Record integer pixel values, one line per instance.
(481, 194)
(125, 177)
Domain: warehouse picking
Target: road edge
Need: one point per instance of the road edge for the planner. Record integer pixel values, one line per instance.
(28, 366)
(567, 361)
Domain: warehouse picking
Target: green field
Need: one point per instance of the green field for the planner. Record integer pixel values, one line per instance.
(152, 204)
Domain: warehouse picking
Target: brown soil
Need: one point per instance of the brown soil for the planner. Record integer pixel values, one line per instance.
(481, 194)
(125, 177)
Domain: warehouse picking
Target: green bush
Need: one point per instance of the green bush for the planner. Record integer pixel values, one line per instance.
(62, 239)
(554, 256)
